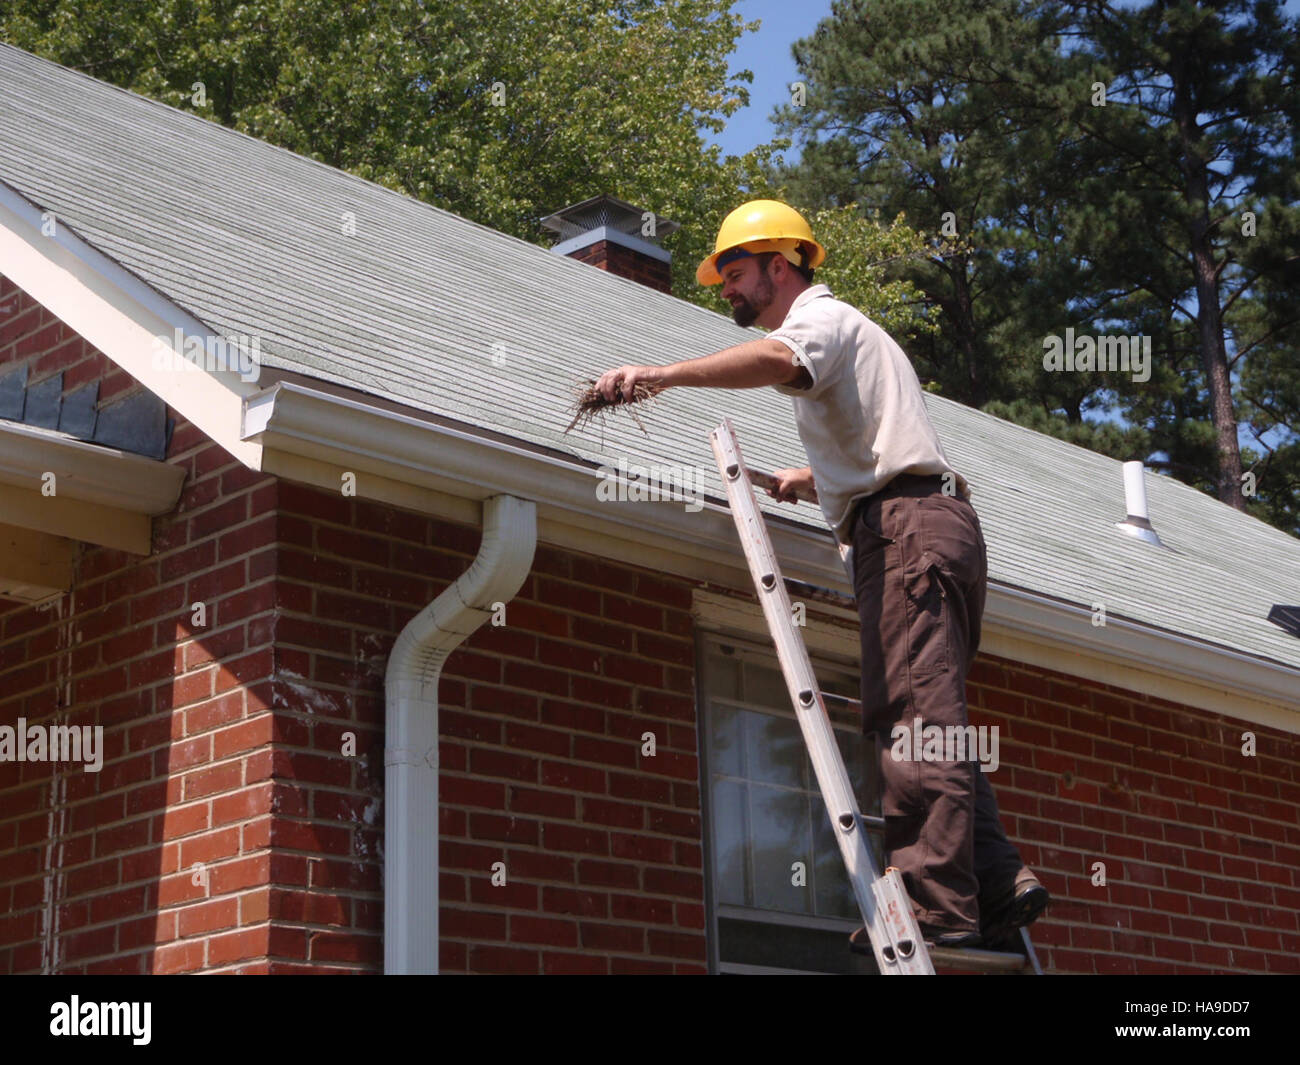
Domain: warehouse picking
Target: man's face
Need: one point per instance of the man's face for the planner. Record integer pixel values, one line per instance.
(749, 290)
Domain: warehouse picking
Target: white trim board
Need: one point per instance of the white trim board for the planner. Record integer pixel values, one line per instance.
(319, 427)
(119, 314)
(100, 495)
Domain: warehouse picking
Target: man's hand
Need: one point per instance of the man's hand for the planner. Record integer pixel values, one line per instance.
(626, 378)
(788, 482)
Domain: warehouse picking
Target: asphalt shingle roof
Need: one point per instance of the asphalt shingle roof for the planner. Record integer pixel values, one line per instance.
(427, 309)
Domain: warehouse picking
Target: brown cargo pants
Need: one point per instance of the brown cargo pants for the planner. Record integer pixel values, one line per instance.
(920, 572)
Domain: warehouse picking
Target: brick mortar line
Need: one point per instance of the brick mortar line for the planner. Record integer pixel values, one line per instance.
(1100, 855)
(1087, 686)
(1124, 955)
(165, 775)
(536, 848)
(467, 906)
(476, 745)
(1132, 908)
(1169, 936)
(502, 686)
(640, 865)
(1072, 730)
(565, 730)
(551, 789)
(1156, 773)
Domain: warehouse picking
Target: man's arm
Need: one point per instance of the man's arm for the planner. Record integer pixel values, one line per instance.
(750, 365)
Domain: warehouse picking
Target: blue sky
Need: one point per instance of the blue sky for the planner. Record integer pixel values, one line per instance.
(767, 54)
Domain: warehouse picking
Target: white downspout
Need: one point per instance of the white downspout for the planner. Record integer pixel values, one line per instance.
(411, 728)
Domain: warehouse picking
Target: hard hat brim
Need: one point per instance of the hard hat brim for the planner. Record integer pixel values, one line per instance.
(707, 272)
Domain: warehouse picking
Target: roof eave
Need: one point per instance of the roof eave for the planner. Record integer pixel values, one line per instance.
(56, 490)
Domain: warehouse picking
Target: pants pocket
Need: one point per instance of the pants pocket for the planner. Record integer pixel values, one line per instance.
(870, 552)
(927, 606)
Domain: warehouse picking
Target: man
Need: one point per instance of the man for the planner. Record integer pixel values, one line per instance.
(920, 568)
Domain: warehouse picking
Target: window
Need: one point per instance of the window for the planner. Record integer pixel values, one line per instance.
(780, 898)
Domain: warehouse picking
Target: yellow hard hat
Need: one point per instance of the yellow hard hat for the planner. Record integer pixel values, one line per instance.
(756, 227)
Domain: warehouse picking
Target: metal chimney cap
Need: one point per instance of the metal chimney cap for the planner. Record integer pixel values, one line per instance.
(611, 213)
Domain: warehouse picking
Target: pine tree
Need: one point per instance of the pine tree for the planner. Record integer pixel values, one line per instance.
(1197, 131)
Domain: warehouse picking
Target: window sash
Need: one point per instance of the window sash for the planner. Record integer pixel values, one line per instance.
(728, 686)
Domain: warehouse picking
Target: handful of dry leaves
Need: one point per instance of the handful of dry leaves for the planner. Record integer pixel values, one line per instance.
(590, 404)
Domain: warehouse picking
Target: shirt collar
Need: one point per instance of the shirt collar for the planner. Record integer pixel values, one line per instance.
(812, 292)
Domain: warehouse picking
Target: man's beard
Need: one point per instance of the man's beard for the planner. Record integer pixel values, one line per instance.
(746, 313)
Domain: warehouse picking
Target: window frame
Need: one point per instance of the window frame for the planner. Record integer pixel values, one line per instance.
(757, 647)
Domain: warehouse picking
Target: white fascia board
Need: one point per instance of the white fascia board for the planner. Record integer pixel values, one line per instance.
(1024, 629)
(122, 316)
(99, 495)
(1063, 636)
(88, 473)
(295, 424)
(290, 420)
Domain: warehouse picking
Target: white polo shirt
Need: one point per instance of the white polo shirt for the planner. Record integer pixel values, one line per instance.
(863, 420)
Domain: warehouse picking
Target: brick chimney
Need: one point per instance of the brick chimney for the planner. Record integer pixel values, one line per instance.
(612, 235)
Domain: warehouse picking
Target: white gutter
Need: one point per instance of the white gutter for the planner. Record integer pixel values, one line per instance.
(87, 472)
(288, 419)
(1181, 660)
(411, 728)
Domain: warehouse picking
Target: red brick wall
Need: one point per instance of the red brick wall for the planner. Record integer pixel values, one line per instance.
(1200, 843)
(223, 744)
(542, 726)
(29, 333)
(541, 722)
(96, 868)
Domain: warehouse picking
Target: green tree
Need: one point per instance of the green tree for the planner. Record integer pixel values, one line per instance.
(1193, 154)
(940, 110)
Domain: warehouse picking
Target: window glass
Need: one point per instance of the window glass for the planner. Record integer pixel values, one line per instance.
(776, 868)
